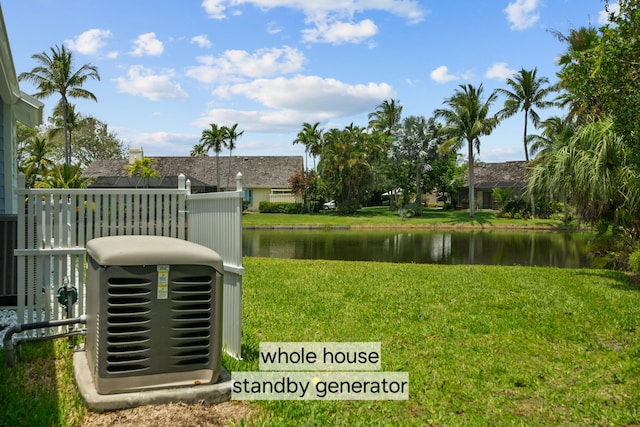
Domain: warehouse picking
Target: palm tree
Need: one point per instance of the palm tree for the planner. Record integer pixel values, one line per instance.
(580, 99)
(466, 120)
(346, 164)
(556, 135)
(230, 136)
(386, 116)
(211, 139)
(37, 161)
(311, 137)
(143, 168)
(528, 91)
(56, 74)
(65, 176)
(594, 169)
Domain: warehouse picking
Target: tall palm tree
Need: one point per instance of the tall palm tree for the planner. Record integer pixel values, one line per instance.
(386, 116)
(466, 120)
(231, 134)
(527, 92)
(56, 73)
(311, 137)
(211, 139)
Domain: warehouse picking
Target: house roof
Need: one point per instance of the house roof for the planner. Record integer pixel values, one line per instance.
(499, 175)
(29, 110)
(257, 171)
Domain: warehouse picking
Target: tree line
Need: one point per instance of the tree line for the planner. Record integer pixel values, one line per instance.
(587, 160)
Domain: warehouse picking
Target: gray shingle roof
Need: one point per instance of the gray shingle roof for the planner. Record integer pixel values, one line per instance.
(502, 175)
(257, 171)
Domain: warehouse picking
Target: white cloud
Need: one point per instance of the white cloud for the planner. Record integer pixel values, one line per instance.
(499, 70)
(235, 64)
(147, 44)
(411, 10)
(331, 20)
(273, 28)
(341, 32)
(441, 75)
(214, 8)
(270, 121)
(521, 14)
(312, 94)
(603, 16)
(141, 81)
(154, 142)
(89, 42)
(202, 41)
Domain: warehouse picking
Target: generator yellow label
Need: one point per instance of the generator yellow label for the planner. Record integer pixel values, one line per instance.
(163, 281)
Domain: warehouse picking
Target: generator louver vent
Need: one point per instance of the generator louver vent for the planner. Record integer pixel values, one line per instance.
(128, 320)
(191, 318)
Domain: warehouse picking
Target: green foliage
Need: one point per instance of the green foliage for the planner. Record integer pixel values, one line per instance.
(64, 176)
(347, 161)
(634, 261)
(502, 196)
(281, 207)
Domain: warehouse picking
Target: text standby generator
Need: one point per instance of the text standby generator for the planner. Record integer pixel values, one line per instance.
(154, 313)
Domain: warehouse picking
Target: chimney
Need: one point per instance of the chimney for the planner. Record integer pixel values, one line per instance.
(135, 153)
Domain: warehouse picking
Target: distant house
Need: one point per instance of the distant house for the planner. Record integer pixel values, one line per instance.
(16, 106)
(487, 176)
(264, 178)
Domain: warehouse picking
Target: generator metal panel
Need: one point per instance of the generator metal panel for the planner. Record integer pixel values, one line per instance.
(152, 326)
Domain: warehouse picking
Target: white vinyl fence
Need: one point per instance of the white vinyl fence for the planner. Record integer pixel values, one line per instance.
(55, 225)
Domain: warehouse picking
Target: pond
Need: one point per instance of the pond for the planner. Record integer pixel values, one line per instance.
(423, 247)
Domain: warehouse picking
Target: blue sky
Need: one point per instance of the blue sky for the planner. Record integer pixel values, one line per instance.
(169, 68)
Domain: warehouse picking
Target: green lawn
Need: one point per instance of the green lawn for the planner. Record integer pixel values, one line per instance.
(380, 216)
(483, 345)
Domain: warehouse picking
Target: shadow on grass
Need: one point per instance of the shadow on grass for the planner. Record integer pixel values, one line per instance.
(462, 217)
(621, 280)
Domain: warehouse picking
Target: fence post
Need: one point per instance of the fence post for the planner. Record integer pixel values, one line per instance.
(239, 182)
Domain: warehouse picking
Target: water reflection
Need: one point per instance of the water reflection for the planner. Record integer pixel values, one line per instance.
(425, 247)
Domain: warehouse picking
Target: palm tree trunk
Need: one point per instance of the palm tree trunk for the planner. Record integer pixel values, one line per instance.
(472, 186)
(218, 171)
(229, 171)
(526, 156)
(526, 149)
(418, 186)
(67, 142)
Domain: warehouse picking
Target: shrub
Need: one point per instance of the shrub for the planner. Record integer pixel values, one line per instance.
(281, 207)
(408, 211)
(634, 261)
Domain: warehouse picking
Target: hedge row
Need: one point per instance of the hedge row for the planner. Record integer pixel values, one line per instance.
(281, 207)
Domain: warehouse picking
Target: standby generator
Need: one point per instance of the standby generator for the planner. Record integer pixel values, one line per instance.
(154, 313)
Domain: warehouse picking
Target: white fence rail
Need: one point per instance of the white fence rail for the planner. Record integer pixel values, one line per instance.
(56, 224)
(284, 198)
